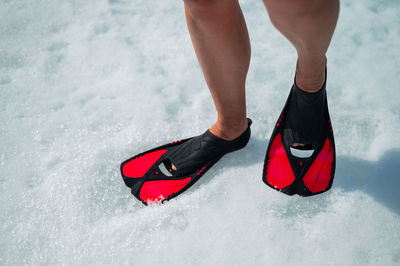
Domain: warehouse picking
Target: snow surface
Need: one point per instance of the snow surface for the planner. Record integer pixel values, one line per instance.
(87, 84)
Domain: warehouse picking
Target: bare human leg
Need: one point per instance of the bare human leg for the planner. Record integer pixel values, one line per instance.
(309, 26)
(222, 46)
(221, 42)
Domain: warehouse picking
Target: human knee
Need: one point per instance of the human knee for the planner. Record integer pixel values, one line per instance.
(207, 9)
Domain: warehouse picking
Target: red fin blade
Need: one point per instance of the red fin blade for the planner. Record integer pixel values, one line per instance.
(279, 171)
(153, 191)
(319, 174)
(140, 165)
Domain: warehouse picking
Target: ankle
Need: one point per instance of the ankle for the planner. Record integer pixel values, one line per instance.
(229, 130)
(310, 78)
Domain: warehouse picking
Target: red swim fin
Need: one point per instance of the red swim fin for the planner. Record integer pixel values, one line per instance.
(149, 174)
(290, 174)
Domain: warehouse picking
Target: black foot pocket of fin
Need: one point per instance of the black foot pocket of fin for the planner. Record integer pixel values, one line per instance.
(150, 175)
